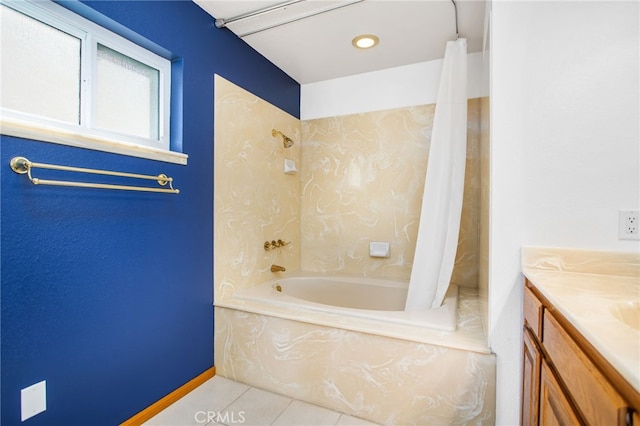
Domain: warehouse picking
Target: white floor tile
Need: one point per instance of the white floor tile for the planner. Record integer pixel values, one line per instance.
(258, 407)
(202, 405)
(223, 402)
(300, 413)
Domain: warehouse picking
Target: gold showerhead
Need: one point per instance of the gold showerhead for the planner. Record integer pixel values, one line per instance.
(286, 141)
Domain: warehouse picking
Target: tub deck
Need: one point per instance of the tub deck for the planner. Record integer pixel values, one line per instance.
(469, 335)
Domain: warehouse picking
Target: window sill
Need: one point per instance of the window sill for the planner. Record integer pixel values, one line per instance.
(22, 129)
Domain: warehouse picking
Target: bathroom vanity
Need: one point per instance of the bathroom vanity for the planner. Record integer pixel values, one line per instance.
(581, 338)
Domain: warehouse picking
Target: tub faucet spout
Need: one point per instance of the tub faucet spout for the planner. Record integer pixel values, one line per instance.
(277, 268)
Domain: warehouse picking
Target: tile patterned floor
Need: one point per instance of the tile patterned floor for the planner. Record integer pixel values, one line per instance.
(220, 401)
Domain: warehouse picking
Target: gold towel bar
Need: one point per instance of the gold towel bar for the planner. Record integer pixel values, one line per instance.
(21, 165)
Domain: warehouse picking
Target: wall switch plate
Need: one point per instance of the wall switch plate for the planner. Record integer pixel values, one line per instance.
(33, 400)
(628, 226)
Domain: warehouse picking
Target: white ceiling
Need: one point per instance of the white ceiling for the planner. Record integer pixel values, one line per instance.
(319, 48)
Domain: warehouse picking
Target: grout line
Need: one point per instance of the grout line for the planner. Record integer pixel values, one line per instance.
(239, 396)
(285, 409)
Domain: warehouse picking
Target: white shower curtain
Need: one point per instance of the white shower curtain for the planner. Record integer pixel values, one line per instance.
(437, 239)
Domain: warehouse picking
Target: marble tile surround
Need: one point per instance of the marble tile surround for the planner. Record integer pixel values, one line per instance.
(362, 180)
(254, 201)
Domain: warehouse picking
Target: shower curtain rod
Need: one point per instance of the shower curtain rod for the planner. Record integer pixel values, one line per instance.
(220, 23)
(455, 8)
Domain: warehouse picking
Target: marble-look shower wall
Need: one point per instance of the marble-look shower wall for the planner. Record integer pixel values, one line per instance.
(483, 270)
(254, 201)
(362, 180)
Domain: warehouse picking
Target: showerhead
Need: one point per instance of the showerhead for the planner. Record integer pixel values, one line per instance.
(286, 141)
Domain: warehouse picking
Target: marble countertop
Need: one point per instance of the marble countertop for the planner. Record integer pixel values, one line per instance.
(599, 294)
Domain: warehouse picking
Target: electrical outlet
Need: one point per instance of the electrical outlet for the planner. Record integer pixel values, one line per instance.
(628, 226)
(33, 400)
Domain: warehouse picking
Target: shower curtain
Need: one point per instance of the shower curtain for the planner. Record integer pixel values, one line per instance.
(439, 226)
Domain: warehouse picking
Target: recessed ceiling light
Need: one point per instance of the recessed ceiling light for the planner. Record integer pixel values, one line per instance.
(365, 41)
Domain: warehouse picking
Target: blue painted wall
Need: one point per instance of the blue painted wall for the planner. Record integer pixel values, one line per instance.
(108, 295)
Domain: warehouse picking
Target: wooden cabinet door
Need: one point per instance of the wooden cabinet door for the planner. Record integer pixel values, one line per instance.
(531, 360)
(555, 408)
(596, 398)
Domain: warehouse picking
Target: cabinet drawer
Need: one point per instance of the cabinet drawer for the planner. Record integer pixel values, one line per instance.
(532, 313)
(596, 399)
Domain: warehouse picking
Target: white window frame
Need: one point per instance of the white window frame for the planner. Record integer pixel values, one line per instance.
(86, 135)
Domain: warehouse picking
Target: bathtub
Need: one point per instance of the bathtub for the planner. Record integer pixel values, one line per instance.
(344, 343)
(370, 298)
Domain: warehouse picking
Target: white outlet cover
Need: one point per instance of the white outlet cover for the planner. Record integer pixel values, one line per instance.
(33, 400)
(629, 225)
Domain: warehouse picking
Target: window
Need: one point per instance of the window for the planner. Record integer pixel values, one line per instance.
(127, 95)
(65, 79)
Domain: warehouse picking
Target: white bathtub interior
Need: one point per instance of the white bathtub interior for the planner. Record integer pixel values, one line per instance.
(360, 297)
